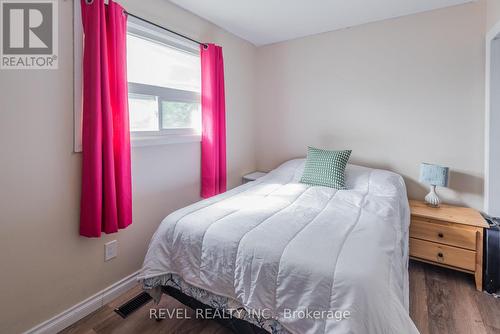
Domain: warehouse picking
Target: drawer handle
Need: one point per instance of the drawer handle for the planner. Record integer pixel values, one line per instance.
(440, 256)
(441, 235)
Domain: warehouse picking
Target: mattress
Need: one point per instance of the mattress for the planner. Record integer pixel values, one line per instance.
(312, 259)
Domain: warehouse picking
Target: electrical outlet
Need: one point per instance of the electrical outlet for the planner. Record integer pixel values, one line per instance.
(110, 250)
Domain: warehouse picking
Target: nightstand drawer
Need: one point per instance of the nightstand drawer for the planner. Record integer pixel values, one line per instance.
(445, 234)
(442, 254)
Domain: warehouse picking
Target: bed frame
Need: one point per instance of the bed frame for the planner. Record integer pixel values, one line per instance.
(236, 325)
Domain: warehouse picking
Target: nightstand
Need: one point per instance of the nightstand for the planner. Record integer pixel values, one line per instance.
(253, 176)
(448, 236)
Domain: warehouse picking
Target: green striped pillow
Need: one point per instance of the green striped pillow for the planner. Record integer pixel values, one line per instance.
(325, 168)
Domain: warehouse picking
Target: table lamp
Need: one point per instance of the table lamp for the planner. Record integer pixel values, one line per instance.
(433, 175)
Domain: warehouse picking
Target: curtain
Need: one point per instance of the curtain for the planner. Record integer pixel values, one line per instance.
(213, 110)
(106, 194)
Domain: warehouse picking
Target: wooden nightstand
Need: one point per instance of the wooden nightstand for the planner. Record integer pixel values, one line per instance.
(448, 236)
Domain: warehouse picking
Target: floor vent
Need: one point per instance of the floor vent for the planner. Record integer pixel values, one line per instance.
(133, 305)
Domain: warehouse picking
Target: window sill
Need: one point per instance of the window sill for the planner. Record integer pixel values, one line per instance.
(141, 141)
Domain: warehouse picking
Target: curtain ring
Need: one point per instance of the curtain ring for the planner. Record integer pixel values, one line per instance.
(89, 2)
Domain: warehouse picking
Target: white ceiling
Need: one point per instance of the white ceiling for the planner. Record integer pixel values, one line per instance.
(269, 21)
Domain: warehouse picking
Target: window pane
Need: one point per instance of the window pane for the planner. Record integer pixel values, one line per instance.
(156, 64)
(143, 112)
(180, 115)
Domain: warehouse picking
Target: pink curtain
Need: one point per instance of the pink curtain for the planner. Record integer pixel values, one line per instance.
(213, 109)
(106, 198)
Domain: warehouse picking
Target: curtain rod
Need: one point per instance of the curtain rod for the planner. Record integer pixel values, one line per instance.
(158, 26)
(171, 31)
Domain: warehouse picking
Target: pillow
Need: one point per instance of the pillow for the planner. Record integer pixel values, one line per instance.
(325, 168)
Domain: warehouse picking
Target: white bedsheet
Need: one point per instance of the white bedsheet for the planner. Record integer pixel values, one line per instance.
(279, 246)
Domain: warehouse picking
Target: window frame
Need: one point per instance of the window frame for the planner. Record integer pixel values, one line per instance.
(163, 136)
(164, 95)
(143, 30)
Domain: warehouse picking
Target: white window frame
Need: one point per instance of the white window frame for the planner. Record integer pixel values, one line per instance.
(181, 135)
(138, 138)
(77, 76)
(164, 95)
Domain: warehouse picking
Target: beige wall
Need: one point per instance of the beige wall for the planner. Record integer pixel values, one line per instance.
(397, 92)
(45, 266)
(492, 13)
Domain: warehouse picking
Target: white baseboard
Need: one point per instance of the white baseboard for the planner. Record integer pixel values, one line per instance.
(84, 308)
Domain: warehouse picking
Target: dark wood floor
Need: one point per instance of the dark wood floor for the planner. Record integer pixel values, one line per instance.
(441, 302)
(444, 301)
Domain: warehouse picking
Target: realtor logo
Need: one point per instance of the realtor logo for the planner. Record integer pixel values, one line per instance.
(29, 34)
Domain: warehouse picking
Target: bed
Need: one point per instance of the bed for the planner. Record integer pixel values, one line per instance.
(291, 258)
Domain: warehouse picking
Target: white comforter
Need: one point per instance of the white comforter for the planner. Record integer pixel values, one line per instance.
(281, 247)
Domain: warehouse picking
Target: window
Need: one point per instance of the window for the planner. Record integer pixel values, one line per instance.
(164, 75)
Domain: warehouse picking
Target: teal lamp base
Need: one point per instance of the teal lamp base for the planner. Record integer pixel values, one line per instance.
(432, 199)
